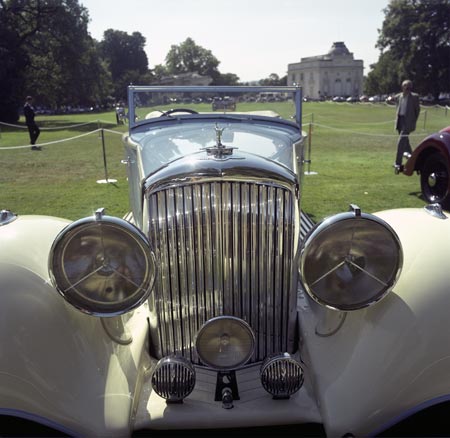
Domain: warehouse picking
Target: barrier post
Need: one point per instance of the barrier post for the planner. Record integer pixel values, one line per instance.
(106, 180)
(308, 172)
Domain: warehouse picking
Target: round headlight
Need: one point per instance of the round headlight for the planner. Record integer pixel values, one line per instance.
(102, 265)
(225, 343)
(350, 261)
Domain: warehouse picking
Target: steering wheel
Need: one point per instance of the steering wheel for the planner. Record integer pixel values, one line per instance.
(177, 110)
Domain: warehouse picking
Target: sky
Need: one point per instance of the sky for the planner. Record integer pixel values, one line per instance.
(250, 38)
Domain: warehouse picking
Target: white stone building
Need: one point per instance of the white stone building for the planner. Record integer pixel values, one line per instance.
(330, 75)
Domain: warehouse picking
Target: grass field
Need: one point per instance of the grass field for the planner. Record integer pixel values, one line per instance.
(352, 151)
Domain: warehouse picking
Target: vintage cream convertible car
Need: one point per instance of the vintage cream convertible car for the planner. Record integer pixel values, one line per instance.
(216, 303)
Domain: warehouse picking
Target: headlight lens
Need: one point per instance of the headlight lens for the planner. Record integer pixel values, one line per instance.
(102, 265)
(225, 343)
(350, 261)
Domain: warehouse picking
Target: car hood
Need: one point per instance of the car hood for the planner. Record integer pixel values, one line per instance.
(240, 166)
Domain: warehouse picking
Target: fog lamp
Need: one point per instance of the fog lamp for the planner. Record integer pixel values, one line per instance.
(173, 378)
(102, 265)
(225, 343)
(281, 375)
(350, 261)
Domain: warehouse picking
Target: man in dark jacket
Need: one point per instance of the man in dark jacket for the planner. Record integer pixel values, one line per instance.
(33, 129)
(408, 109)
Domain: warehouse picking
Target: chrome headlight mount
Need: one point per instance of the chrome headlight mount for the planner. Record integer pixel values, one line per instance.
(350, 260)
(102, 265)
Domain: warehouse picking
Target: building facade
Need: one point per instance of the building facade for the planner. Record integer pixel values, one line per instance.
(335, 74)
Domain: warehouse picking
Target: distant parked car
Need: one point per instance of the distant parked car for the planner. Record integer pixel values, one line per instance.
(338, 99)
(431, 160)
(427, 100)
(226, 103)
(391, 100)
(364, 98)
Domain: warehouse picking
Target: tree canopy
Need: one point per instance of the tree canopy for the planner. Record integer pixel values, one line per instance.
(189, 57)
(126, 59)
(46, 51)
(415, 43)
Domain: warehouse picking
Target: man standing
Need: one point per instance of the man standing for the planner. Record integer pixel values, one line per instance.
(33, 129)
(408, 109)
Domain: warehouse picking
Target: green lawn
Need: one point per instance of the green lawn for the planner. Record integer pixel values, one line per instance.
(352, 151)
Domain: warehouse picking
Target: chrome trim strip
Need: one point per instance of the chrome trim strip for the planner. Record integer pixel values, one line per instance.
(6, 217)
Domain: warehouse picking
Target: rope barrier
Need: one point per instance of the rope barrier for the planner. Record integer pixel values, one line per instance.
(362, 133)
(112, 132)
(58, 127)
(62, 140)
(367, 123)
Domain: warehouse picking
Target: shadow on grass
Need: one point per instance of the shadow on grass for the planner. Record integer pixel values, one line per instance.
(418, 195)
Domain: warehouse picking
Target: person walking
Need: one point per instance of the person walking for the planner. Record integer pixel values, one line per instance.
(33, 129)
(408, 109)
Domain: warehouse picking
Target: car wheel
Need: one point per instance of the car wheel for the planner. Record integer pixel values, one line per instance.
(434, 179)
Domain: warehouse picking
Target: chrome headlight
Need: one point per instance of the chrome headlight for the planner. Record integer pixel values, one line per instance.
(225, 343)
(281, 375)
(350, 260)
(173, 378)
(102, 265)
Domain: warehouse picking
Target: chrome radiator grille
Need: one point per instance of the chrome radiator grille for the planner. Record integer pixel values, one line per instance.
(223, 248)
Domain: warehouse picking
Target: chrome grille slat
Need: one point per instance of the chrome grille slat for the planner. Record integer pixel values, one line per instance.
(224, 247)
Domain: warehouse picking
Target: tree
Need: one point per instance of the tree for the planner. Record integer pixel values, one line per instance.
(46, 51)
(13, 60)
(416, 33)
(227, 79)
(126, 58)
(188, 57)
(384, 77)
(273, 79)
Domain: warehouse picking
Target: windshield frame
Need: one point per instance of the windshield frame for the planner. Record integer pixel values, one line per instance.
(134, 90)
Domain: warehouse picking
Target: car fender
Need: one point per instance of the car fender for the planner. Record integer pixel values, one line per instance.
(76, 371)
(376, 366)
(435, 143)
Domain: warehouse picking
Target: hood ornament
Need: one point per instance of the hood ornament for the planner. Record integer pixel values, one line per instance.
(219, 150)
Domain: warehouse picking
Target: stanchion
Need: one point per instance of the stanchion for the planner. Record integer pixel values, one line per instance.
(309, 172)
(106, 180)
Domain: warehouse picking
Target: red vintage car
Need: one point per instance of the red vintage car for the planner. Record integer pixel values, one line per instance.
(431, 160)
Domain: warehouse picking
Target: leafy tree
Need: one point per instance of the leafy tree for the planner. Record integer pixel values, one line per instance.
(126, 58)
(227, 79)
(384, 77)
(188, 57)
(273, 79)
(13, 60)
(416, 33)
(159, 72)
(48, 54)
